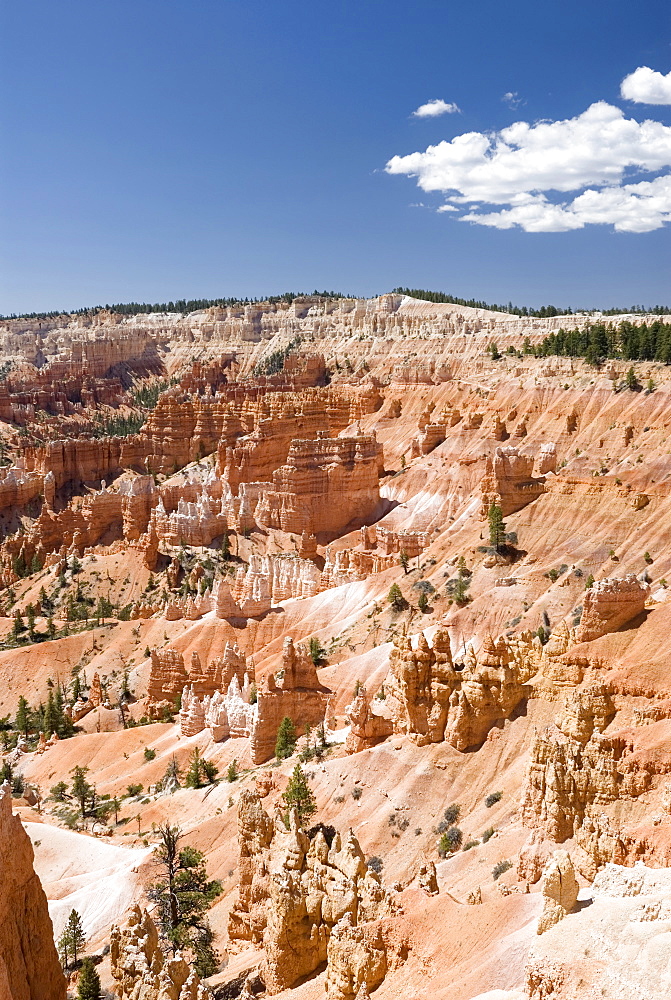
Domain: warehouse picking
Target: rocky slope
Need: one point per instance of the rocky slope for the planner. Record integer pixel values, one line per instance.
(493, 732)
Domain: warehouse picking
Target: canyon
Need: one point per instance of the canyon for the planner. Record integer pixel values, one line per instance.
(351, 538)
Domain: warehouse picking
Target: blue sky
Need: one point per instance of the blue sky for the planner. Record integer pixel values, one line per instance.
(156, 149)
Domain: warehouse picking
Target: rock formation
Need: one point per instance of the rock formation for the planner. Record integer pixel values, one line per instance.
(325, 484)
(610, 604)
(29, 965)
(225, 713)
(573, 769)
(509, 482)
(559, 889)
(142, 971)
(433, 701)
(616, 948)
(293, 691)
(168, 677)
(366, 729)
(308, 900)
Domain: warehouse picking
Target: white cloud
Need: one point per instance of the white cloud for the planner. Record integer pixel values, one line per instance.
(434, 108)
(647, 86)
(593, 155)
(512, 99)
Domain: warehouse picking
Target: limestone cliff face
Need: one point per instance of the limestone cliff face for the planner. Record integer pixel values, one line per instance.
(29, 966)
(140, 969)
(309, 902)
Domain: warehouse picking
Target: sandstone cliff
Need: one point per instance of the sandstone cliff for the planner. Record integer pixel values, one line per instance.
(29, 966)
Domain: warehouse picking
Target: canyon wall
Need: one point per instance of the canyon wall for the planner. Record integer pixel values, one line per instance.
(29, 965)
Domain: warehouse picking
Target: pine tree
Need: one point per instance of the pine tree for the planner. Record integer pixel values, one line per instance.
(285, 743)
(183, 894)
(22, 720)
(81, 789)
(423, 602)
(31, 623)
(77, 938)
(298, 795)
(497, 528)
(50, 715)
(88, 987)
(631, 381)
(317, 651)
(64, 950)
(17, 626)
(404, 560)
(396, 598)
(194, 776)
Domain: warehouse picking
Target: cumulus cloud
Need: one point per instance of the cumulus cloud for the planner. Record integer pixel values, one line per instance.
(434, 108)
(594, 156)
(646, 86)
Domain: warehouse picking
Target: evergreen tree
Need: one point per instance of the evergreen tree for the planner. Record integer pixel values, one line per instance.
(81, 789)
(285, 743)
(17, 626)
(423, 602)
(210, 770)
(631, 381)
(63, 946)
(497, 528)
(396, 598)
(298, 795)
(76, 688)
(404, 560)
(50, 715)
(317, 651)
(194, 776)
(22, 720)
(88, 987)
(183, 894)
(76, 936)
(31, 623)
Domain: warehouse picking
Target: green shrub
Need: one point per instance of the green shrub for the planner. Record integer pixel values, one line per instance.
(450, 841)
(493, 798)
(452, 813)
(488, 834)
(500, 868)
